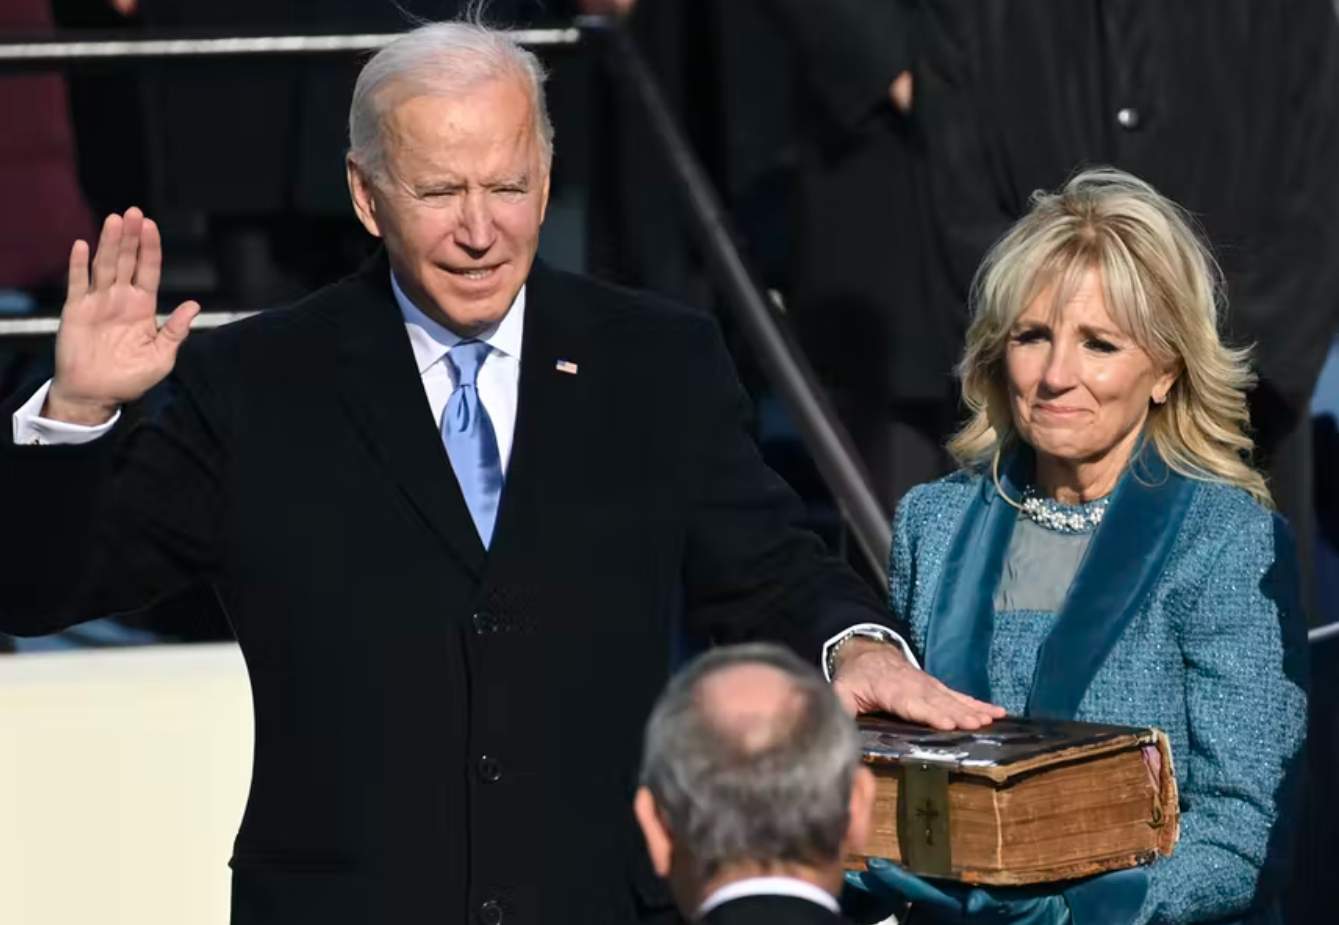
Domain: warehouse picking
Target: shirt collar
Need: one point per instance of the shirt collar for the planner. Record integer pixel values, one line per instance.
(769, 886)
(431, 340)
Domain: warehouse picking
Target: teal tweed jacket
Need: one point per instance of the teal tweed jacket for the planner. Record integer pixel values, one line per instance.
(1183, 615)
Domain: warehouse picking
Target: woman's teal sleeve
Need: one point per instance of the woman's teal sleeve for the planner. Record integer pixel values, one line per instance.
(1244, 644)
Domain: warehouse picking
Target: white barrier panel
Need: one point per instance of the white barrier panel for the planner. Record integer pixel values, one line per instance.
(123, 775)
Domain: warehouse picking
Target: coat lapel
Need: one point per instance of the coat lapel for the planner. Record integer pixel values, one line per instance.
(380, 387)
(958, 642)
(1119, 570)
(550, 410)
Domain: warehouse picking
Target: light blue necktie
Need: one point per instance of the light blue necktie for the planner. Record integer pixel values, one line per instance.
(470, 441)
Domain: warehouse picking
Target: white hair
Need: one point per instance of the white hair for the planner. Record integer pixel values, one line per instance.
(440, 59)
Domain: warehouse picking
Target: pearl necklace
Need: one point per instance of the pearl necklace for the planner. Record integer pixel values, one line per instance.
(1063, 518)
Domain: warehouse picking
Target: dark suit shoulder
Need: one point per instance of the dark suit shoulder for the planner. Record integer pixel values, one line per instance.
(317, 310)
(290, 337)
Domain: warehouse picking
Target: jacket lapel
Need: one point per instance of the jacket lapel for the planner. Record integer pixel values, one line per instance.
(550, 410)
(381, 389)
(1122, 564)
(958, 642)
(1119, 570)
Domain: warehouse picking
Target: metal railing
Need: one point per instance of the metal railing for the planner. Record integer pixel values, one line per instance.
(1321, 633)
(43, 327)
(62, 51)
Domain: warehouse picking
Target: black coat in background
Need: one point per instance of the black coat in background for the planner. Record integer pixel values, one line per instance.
(855, 293)
(855, 286)
(438, 728)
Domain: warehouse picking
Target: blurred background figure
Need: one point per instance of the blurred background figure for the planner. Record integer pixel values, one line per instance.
(854, 286)
(39, 184)
(802, 113)
(45, 209)
(752, 791)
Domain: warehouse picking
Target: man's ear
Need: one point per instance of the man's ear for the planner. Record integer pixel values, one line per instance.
(363, 195)
(658, 843)
(544, 193)
(861, 811)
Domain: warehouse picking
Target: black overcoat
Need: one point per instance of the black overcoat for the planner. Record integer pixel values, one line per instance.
(856, 287)
(441, 732)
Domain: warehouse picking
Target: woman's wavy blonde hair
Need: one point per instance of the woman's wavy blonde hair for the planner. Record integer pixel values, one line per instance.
(1161, 286)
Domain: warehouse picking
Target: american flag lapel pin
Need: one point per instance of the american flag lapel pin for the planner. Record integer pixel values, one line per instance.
(566, 366)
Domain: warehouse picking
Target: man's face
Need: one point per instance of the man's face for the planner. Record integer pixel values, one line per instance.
(460, 202)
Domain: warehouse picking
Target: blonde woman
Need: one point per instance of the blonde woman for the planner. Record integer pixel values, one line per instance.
(1108, 553)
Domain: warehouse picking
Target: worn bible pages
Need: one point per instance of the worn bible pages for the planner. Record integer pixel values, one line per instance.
(1022, 801)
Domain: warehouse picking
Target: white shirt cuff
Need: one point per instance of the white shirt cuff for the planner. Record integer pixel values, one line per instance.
(31, 429)
(861, 629)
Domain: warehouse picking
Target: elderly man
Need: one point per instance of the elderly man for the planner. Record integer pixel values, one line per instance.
(456, 508)
(752, 789)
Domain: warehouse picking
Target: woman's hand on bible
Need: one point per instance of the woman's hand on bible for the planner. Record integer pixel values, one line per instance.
(109, 349)
(872, 677)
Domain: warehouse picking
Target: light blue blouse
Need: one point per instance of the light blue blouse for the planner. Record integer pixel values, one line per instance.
(1039, 567)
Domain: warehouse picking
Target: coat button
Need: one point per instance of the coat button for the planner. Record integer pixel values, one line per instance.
(484, 623)
(1128, 118)
(490, 912)
(490, 769)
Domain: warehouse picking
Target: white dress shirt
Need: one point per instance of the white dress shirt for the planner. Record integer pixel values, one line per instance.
(499, 376)
(769, 886)
(31, 429)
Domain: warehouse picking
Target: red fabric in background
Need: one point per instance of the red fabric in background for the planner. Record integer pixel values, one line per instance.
(43, 208)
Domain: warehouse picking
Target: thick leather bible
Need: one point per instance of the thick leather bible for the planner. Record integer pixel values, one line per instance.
(1021, 801)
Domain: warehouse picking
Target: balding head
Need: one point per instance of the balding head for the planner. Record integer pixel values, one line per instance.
(751, 704)
(750, 761)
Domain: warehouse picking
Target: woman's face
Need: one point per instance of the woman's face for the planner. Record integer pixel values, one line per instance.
(1079, 387)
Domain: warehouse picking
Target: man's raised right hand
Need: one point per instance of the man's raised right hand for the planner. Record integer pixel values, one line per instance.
(110, 350)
